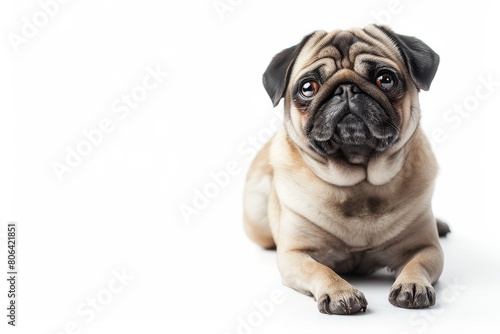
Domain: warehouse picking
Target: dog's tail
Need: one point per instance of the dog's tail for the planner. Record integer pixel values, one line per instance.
(443, 228)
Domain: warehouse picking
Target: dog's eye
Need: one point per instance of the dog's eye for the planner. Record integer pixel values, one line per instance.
(309, 89)
(386, 81)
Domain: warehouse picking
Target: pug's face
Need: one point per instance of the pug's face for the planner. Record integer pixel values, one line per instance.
(352, 95)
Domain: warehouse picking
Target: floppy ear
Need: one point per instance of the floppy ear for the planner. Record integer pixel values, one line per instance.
(277, 74)
(420, 59)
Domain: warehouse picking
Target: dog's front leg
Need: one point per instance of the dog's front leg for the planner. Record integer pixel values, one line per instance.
(300, 271)
(413, 286)
(420, 268)
(334, 295)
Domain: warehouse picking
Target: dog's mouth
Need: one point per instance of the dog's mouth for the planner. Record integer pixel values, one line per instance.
(351, 140)
(353, 130)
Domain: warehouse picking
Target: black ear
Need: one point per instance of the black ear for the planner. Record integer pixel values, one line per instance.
(277, 74)
(421, 60)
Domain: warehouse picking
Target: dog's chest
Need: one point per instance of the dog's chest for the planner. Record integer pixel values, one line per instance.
(356, 218)
(361, 206)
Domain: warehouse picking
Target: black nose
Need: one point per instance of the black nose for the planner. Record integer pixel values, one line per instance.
(347, 90)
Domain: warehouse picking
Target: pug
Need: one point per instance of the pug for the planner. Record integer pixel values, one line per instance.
(345, 184)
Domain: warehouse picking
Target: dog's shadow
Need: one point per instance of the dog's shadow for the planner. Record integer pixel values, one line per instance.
(381, 277)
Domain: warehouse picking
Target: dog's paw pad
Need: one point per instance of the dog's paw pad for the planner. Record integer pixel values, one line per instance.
(412, 295)
(342, 302)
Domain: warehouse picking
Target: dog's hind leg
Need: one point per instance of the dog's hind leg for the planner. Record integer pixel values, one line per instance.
(256, 198)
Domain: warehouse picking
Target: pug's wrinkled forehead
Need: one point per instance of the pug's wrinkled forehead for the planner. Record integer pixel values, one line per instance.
(359, 50)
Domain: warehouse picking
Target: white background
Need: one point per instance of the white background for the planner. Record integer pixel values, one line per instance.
(118, 210)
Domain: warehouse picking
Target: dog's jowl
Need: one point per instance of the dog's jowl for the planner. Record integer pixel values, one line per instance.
(345, 184)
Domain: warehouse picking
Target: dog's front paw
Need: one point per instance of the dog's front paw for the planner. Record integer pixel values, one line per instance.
(342, 302)
(412, 295)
